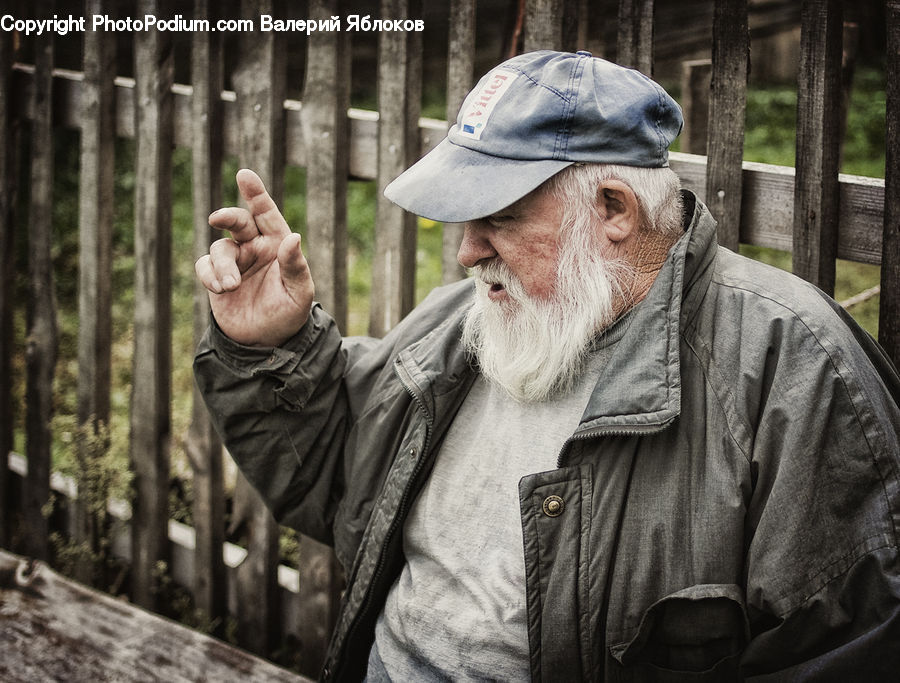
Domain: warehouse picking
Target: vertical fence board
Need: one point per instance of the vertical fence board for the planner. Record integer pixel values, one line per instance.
(8, 143)
(325, 134)
(818, 143)
(695, 82)
(889, 314)
(460, 76)
(634, 41)
(399, 101)
(42, 341)
(259, 79)
(543, 25)
(151, 378)
(203, 446)
(727, 103)
(95, 226)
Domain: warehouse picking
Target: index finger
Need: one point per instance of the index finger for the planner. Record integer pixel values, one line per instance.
(262, 207)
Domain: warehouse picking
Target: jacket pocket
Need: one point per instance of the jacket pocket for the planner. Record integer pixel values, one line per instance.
(696, 634)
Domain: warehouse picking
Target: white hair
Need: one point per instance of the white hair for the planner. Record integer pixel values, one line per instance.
(658, 192)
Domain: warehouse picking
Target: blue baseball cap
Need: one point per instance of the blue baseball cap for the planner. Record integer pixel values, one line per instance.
(528, 119)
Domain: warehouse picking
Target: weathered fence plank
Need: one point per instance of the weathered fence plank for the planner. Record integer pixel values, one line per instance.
(696, 76)
(727, 103)
(203, 447)
(460, 77)
(57, 630)
(399, 102)
(42, 341)
(95, 227)
(818, 143)
(259, 79)
(8, 145)
(152, 362)
(326, 132)
(634, 43)
(543, 25)
(889, 314)
(766, 207)
(326, 99)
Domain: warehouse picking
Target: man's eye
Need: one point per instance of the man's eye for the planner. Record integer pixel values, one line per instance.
(500, 219)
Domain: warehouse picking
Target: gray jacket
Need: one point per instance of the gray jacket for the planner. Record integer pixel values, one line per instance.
(730, 500)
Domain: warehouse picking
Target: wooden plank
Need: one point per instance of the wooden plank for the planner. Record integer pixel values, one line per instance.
(95, 230)
(543, 25)
(696, 77)
(203, 446)
(727, 103)
(8, 145)
(399, 102)
(889, 313)
(152, 364)
(634, 41)
(259, 79)
(56, 629)
(460, 79)
(818, 143)
(767, 211)
(326, 132)
(42, 341)
(326, 99)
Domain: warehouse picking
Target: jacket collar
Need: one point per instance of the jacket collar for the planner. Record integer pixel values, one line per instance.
(639, 390)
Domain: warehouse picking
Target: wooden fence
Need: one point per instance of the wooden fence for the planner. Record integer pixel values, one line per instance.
(813, 212)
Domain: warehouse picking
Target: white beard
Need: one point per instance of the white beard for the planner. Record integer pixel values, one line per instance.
(536, 349)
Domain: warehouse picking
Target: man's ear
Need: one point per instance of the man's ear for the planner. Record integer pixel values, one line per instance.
(618, 205)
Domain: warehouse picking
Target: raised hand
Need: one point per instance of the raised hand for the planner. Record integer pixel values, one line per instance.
(260, 287)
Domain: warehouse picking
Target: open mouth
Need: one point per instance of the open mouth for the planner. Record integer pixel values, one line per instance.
(496, 291)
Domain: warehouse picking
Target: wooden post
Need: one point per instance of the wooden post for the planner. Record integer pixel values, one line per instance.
(818, 143)
(634, 43)
(727, 104)
(326, 133)
(203, 446)
(543, 25)
(889, 313)
(696, 78)
(399, 103)
(95, 228)
(42, 341)
(460, 79)
(260, 79)
(151, 378)
(8, 145)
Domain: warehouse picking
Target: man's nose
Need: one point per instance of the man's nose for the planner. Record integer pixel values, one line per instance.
(475, 245)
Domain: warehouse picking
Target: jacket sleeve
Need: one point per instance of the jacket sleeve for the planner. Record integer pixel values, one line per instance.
(282, 414)
(823, 570)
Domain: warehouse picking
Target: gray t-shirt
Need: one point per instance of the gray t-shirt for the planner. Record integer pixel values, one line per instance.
(457, 611)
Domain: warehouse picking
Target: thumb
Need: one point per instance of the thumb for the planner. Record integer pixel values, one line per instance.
(295, 271)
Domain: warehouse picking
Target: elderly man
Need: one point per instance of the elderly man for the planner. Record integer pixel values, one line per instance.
(619, 452)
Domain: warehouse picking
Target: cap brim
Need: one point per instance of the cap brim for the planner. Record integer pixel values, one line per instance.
(454, 184)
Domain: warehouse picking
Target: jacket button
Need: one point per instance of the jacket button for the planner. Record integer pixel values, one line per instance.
(553, 506)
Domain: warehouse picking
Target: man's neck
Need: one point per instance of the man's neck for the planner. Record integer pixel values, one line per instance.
(646, 257)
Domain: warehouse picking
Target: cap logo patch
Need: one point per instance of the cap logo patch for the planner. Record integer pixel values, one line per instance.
(474, 119)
